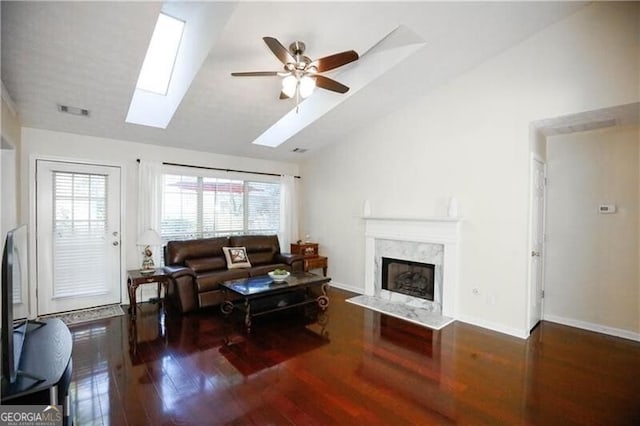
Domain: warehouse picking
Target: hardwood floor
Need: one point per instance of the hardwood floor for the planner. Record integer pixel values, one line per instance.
(362, 368)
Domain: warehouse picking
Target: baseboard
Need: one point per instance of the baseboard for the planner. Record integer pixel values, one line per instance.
(598, 328)
(521, 334)
(346, 287)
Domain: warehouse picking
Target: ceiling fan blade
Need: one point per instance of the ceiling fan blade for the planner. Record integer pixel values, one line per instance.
(279, 50)
(334, 61)
(255, 74)
(329, 84)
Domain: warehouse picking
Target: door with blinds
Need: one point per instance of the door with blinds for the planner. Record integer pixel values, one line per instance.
(77, 236)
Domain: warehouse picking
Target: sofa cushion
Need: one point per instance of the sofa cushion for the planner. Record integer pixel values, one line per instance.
(261, 258)
(206, 264)
(255, 243)
(260, 248)
(236, 257)
(208, 281)
(177, 252)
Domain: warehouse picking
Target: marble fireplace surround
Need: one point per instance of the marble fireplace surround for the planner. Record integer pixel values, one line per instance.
(429, 240)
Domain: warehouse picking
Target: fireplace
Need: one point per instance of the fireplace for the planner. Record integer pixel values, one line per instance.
(407, 277)
(430, 241)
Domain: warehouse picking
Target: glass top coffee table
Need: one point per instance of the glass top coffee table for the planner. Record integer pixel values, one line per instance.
(259, 295)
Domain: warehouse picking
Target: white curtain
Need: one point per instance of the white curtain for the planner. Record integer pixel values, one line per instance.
(289, 231)
(149, 200)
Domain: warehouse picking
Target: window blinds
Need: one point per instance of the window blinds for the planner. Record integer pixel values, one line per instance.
(204, 206)
(79, 227)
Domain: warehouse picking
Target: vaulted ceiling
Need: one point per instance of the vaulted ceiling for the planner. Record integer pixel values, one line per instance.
(89, 54)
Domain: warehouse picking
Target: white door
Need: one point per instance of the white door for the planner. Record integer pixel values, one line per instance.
(537, 242)
(77, 236)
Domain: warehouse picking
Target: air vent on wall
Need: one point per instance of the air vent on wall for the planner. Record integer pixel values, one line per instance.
(73, 110)
(299, 150)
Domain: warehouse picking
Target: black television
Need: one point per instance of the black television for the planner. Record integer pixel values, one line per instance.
(14, 273)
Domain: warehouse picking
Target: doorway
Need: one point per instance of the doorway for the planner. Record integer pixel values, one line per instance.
(590, 273)
(77, 235)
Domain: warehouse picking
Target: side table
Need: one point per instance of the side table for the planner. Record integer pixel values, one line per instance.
(316, 262)
(311, 258)
(135, 279)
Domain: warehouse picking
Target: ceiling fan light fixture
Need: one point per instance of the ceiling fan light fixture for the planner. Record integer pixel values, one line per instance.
(307, 86)
(301, 75)
(289, 85)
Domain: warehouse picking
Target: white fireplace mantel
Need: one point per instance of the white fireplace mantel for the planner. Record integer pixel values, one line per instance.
(434, 230)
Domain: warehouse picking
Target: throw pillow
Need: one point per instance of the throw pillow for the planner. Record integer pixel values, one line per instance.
(236, 257)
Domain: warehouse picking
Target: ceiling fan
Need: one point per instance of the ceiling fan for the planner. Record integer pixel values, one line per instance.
(301, 75)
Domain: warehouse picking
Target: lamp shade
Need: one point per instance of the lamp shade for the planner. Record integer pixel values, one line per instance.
(289, 85)
(150, 238)
(307, 84)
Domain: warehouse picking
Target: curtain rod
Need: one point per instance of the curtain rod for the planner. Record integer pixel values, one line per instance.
(221, 170)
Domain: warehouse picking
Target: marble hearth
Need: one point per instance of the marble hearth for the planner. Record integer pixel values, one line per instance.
(426, 240)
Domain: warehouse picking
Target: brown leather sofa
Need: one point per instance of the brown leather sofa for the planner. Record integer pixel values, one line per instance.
(197, 267)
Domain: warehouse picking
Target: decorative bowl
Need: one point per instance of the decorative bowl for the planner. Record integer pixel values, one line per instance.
(278, 277)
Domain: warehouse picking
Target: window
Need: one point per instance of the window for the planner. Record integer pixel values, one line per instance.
(204, 206)
(165, 74)
(79, 229)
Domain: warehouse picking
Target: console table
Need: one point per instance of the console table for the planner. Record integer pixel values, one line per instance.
(46, 360)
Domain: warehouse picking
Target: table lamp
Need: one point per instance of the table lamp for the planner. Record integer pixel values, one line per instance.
(148, 239)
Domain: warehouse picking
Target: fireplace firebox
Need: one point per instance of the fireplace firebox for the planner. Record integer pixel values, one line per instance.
(407, 277)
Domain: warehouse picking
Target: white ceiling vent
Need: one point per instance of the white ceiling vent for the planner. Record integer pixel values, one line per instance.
(73, 110)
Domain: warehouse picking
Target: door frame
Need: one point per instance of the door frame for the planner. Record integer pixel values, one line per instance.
(530, 285)
(31, 201)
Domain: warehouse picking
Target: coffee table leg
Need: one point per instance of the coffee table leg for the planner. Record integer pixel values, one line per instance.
(226, 307)
(323, 300)
(247, 316)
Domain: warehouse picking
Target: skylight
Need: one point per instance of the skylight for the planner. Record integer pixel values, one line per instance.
(195, 27)
(157, 67)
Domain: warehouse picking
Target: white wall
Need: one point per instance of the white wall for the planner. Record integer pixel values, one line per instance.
(9, 167)
(471, 139)
(45, 144)
(9, 154)
(8, 186)
(591, 260)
